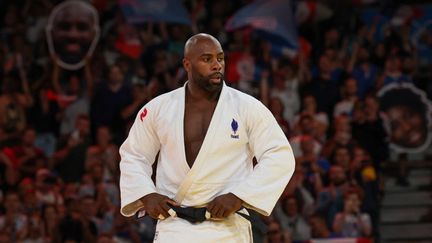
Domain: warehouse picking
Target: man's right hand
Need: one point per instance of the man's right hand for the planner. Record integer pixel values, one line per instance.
(156, 204)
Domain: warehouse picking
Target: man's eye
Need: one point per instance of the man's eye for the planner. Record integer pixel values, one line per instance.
(220, 59)
(206, 59)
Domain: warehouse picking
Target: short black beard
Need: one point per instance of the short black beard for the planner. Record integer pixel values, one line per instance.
(205, 84)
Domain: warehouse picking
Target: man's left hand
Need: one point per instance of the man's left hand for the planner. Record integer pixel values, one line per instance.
(224, 205)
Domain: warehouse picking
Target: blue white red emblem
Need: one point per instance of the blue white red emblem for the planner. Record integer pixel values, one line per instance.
(234, 127)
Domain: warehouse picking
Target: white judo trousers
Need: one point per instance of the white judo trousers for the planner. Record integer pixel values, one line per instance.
(241, 128)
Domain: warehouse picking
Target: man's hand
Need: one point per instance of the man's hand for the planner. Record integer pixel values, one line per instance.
(156, 204)
(224, 205)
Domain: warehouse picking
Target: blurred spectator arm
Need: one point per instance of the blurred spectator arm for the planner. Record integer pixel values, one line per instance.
(365, 224)
(338, 222)
(163, 31)
(303, 73)
(88, 76)
(28, 98)
(318, 185)
(11, 174)
(55, 76)
(146, 34)
(264, 87)
(353, 59)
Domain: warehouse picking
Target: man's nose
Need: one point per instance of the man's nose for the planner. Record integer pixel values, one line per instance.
(217, 66)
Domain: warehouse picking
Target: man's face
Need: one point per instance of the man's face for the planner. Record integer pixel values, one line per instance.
(337, 175)
(351, 87)
(206, 64)
(408, 127)
(342, 157)
(29, 137)
(73, 31)
(83, 125)
(115, 75)
(12, 202)
(325, 64)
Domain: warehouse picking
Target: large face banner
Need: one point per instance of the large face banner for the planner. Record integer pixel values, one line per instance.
(407, 117)
(72, 33)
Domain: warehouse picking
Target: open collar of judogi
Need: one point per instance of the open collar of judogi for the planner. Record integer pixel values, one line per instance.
(206, 145)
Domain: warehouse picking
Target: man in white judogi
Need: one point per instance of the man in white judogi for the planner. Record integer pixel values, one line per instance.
(206, 134)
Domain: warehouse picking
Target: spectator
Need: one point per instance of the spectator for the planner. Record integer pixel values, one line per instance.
(306, 126)
(324, 87)
(50, 221)
(45, 187)
(286, 88)
(14, 101)
(140, 96)
(309, 107)
(74, 226)
(342, 136)
(299, 188)
(73, 96)
(277, 108)
(349, 97)
(319, 228)
(45, 118)
(368, 130)
(292, 220)
(351, 222)
(13, 221)
(275, 233)
(104, 152)
(392, 72)
(342, 158)
(26, 157)
(70, 159)
(330, 199)
(109, 99)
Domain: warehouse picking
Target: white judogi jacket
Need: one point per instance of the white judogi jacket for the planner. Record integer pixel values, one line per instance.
(241, 128)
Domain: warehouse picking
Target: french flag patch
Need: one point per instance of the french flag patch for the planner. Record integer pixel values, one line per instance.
(234, 127)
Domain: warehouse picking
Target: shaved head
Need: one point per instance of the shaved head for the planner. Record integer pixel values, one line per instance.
(192, 43)
(204, 62)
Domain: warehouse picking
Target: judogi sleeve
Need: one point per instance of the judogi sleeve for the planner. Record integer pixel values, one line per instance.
(138, 153)
(263, 187)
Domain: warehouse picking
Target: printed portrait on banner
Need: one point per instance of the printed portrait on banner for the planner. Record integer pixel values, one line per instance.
(72, 33)
(407, 117)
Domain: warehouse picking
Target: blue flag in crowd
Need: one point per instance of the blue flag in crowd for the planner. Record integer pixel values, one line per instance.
(274, 17)
(421, 33)
(141, 11)
(419, 18)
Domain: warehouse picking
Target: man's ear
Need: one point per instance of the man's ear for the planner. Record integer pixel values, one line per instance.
(186, 64)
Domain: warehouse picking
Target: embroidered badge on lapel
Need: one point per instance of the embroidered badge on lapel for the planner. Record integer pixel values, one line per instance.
(234, 127)
(143, 114)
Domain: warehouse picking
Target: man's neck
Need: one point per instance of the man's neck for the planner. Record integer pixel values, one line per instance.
(195, 93)
(115, 86)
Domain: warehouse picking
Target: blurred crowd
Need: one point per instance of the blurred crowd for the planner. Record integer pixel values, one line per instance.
(60, 130)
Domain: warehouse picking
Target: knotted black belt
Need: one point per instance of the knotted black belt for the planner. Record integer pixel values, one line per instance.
(198, 215)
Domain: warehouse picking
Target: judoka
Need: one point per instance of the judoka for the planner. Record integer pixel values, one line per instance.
(206, 134)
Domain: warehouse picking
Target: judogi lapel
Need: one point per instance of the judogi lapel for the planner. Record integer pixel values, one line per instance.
(202, 154)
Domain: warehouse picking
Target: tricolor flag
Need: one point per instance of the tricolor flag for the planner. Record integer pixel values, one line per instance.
(141, 11)
(275, 17)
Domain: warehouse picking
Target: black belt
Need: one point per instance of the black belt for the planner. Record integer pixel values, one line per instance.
(198, 215)
(191, 214)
